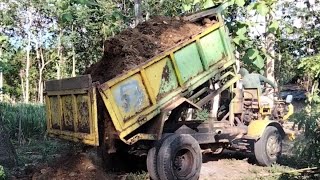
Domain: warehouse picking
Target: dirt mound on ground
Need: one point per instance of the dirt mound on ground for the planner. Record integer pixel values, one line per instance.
(75, 167)
(133, 47)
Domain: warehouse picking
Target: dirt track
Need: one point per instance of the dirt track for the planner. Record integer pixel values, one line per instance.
(228, 166)
(72, 163)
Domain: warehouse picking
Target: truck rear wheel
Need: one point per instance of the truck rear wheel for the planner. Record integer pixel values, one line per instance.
(152, 158)
(179, 157)
(152, 163)
(268, 148)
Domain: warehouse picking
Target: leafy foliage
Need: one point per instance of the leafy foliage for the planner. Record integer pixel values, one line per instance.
(2, 173)
(307, 149)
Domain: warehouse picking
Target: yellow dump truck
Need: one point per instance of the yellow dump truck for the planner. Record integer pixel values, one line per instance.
(150, 106)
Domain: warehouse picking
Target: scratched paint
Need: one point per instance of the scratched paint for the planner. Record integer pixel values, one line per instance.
(83, 113)
(55, 112)
(130, 96)
(67, 113)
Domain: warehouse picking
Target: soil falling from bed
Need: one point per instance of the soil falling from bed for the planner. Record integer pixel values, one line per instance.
(132, 47)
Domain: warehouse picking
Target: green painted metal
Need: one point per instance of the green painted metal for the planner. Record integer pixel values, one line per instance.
(212, 47)
(169, 81)
(188, 62)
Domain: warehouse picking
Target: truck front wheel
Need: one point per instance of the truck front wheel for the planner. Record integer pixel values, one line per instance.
(268, 148)
(179, 157)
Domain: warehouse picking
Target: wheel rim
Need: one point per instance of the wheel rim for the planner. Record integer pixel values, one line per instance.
(273, 147)
(183, 162)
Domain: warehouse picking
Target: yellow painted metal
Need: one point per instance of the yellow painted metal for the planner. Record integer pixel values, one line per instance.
(67, 111)
(73, 116)
(134, 126)
(125, 128)
(67, 92)
(290, 112)
(112, 111)
(140, 136)
(48, 113)
(94, 116)
(76, 137)
(75, 113)
(60, 114)
(154, 74)
(54, 111)
(149, 86)
(257, 127)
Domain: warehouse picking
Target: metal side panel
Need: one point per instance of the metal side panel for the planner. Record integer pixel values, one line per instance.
(72, 112)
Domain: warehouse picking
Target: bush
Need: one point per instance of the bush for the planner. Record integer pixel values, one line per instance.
(24, 120)
(2, 173)
(308, 148)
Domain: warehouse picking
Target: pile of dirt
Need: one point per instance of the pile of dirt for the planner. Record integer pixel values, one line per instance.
(132, 47)
(76, 166)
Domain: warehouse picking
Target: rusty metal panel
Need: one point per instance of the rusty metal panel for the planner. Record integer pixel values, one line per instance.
(55, 112)
(162, 77)
(83, 114)
(79, 82)
(67, 119)
(73, 116)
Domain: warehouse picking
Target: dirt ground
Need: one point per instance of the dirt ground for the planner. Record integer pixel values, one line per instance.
(74, 164)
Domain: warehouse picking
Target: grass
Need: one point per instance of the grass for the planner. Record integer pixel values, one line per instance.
(23, 121)
(43, 151)
(138, 176)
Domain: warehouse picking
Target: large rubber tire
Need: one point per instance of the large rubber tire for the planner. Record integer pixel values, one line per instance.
(179, 157)
(267, 149)
(152, 158)
(152, 163)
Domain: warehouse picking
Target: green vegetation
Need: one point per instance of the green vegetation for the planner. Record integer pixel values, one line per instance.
(44, 150)
(137, 176)
(2, 173)
(23, 121)
(43, 40)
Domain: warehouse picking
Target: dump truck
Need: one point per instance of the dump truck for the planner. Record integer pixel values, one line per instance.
(152, 107)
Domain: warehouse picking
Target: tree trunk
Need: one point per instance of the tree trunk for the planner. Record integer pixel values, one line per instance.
(269, 43)
(60, 61)
(40, 86)
(73, 57)
(1, 78)
(26, 99)
(22, 84)
(43, 63)
(137, 12)
(73, 62)
(8, 157)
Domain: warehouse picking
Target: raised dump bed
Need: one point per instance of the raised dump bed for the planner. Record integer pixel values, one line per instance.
(138, 95)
